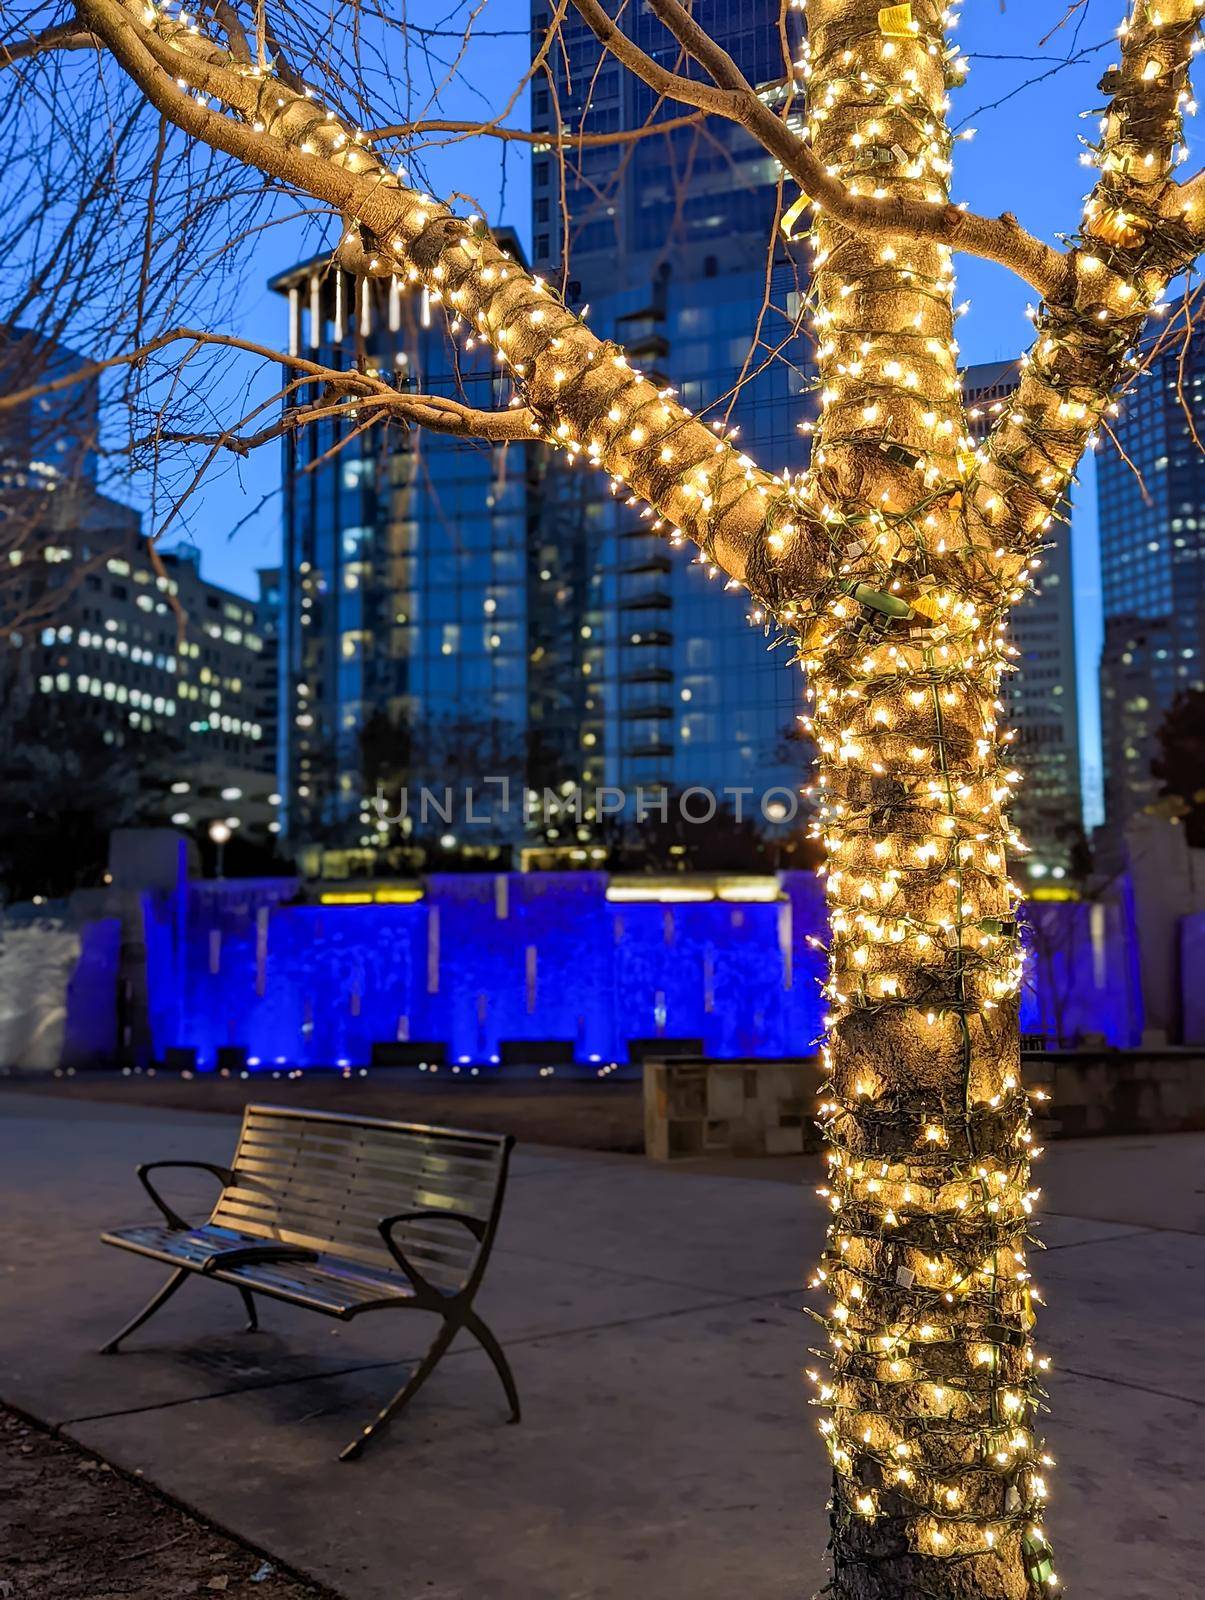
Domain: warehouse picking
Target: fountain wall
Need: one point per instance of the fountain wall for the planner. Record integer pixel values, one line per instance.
(483, 963)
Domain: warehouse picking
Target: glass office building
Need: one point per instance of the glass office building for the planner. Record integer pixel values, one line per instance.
(48, 442)
(99, 627)
(685, 195)
(651, 678)
(403, 584)
(679, 691)
(1152, 511)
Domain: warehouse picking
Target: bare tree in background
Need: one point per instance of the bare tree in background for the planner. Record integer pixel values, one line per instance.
(893, 563)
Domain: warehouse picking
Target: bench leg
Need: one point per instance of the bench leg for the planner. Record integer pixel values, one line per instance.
(493, 1349)
(160, 1298)
(252, 1316)
(408, 1390)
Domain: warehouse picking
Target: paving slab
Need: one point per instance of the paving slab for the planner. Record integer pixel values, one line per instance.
(729, 1236)
(1131, 1308)
(682, 1465)
(1126, 1508)
(1154, 1181)
(659, 1460)
(653, 1321)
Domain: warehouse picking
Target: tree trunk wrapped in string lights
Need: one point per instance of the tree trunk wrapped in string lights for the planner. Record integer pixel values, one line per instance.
(933, 1385)
(892, 564)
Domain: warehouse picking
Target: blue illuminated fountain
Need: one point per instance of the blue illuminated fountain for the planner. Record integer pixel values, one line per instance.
(480, 964)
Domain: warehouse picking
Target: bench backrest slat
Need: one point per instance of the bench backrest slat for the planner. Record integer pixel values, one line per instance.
(324, 1181)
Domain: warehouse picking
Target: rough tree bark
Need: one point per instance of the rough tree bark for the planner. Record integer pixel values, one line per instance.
(893, 563)
(934, 1387)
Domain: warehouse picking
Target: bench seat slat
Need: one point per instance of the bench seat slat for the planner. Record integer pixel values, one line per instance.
(245, 1216)
(366, 1180)
(365, 1207)
(340, 1215)
(372, 1149)
(336, 1126)
(266, 1221)
(368, 1199)
(173, 1244)
(376, 1147)
(329, 1283)
(318, 1285)
(331, 1173)
(367, 1195)
(337, 1167)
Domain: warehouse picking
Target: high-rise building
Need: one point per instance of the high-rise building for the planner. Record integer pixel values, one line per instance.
(162, 662)
(266, 688)
(98, 626)
(641, 673)
(1151, 495)
(1040, 697)
(226, 687)
(403, 640)
(48, 469)
(702, 197)
(50, 440)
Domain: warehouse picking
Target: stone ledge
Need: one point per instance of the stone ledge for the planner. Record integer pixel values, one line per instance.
(694, 1106)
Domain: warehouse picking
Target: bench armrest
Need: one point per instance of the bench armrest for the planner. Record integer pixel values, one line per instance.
(174, 1219)
(424, 1214)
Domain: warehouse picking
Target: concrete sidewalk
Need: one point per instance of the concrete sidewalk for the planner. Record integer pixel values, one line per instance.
(652, 1318)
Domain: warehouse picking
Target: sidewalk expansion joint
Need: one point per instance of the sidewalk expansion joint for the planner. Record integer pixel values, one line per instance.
(1126, 1222)
(1126, 1383)
(1084, 1244)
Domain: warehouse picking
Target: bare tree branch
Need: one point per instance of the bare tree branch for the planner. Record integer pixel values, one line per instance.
(431, 411)
(702, 487)
(575, 140)
(1140, 231)
(63, 36)
(730, 95)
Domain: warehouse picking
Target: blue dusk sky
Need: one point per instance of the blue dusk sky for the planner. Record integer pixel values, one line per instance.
(1025, 99)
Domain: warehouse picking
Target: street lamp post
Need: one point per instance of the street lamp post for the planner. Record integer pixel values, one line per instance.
(219, 833)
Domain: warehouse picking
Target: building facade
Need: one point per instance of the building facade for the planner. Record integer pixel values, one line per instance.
(1151, 495)
(98, 629)
(642, 676)
(1040, 697)
(456, 615)
(166, 665)
(703, 197)
(49, 441)
(403, 640)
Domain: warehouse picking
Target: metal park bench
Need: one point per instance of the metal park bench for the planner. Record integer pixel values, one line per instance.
(342, 1215)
